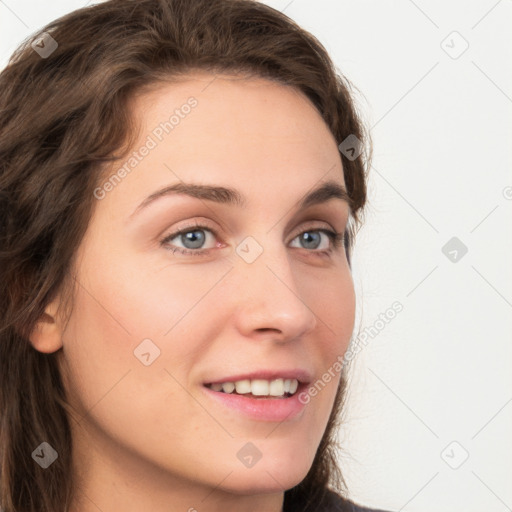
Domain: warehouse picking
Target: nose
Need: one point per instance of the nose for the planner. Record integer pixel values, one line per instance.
(269, 302)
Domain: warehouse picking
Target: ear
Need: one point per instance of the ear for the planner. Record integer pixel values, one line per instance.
(47, 334)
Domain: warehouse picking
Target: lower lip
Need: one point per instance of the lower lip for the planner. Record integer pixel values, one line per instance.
(263, 409)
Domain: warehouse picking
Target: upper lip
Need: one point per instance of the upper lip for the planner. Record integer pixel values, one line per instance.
(303, 376)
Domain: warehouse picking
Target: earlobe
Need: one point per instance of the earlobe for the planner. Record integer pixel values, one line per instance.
(47, 334)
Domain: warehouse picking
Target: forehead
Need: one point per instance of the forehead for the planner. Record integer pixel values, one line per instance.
(250, 133)
(263, 115)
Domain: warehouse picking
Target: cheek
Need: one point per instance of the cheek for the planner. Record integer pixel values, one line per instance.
(105, 379)
(153, 295)
(334, 306)
(122, 304)
(97, 345)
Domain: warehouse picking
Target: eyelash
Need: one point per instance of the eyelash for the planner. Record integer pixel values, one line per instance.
(336, 238)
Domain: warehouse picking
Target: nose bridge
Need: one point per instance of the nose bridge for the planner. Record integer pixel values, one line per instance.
(269, 297)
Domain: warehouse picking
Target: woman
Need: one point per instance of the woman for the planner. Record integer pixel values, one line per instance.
(181, 183)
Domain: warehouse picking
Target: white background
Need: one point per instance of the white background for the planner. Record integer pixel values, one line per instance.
(442, 130)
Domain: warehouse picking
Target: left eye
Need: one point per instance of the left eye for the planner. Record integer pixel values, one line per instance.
(193, 239)
(312, 238)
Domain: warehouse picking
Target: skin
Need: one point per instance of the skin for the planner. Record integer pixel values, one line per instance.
(147, 437)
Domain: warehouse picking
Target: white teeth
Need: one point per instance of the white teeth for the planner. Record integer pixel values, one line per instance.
(243, 386)
(228, 387)
(258, 387)
(277, 387)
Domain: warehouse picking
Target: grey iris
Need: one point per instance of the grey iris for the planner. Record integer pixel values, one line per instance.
(308, 235)
(192, 237)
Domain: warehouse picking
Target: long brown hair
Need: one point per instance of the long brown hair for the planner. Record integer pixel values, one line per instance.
(65, 114)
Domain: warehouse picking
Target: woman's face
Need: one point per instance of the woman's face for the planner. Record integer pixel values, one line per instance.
(261, 294)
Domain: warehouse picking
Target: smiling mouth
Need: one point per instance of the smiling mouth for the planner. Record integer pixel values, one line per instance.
(258, 388)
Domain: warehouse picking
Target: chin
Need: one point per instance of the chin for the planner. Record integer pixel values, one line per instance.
(269, 478)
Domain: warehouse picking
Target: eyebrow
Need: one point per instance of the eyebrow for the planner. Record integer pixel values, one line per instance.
(224, 195)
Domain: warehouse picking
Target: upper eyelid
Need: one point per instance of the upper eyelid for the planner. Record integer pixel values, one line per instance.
(200, 225)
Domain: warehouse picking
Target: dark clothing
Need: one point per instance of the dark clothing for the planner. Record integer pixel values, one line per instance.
(326, 501)
(336, 503)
